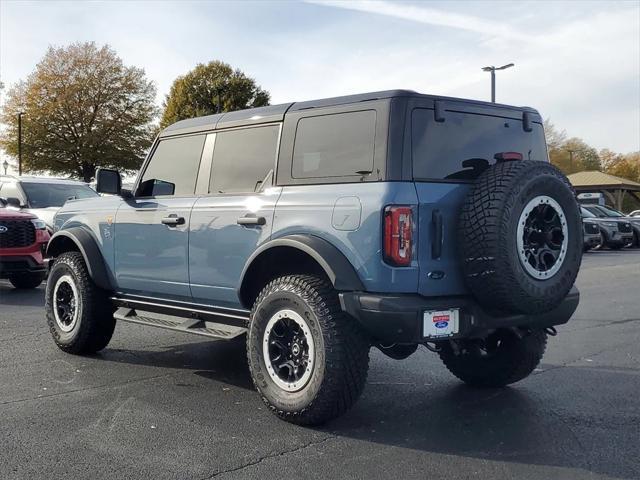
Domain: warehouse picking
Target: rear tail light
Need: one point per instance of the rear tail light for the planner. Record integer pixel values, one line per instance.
(397, 242)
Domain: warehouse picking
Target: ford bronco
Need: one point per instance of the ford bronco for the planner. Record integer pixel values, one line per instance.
(319, 229)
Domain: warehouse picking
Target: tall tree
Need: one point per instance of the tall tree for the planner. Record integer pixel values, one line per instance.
(82, 109)
(211, 88)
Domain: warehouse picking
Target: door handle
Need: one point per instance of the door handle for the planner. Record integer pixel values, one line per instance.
(252, 220)
(173, 220)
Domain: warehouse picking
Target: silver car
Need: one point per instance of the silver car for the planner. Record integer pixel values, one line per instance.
(42, 196)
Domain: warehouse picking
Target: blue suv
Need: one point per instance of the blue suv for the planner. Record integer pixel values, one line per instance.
(319, 229)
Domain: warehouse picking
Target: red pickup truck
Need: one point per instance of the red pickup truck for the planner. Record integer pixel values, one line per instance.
(23, 241)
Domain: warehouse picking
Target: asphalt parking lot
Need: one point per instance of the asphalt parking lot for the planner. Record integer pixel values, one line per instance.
(160, 405)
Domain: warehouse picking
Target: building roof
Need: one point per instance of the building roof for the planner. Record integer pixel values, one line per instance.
(600, 180)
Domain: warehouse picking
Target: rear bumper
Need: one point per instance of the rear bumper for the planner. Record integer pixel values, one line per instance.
(15, 264)
(399, 318)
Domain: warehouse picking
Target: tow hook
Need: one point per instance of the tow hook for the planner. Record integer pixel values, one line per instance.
(432, 348)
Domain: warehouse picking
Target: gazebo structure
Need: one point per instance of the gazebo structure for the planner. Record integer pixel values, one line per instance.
(613, 188)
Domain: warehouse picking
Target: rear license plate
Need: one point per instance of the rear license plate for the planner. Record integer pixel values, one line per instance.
(440, 323)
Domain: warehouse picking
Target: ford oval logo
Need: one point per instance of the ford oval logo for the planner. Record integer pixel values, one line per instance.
(441, 324)
(3, 229)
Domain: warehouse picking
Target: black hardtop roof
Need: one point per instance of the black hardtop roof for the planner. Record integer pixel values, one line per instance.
(276, 113)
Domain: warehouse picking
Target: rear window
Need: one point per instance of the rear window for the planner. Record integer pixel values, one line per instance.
(465, 144)
(335, 145)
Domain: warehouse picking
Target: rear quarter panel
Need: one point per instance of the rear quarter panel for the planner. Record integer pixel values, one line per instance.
(330, 211)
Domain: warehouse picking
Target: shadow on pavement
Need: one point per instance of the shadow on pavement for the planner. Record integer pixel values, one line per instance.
(519, 424)
(221, 361)
(548, 423)
(25, 298)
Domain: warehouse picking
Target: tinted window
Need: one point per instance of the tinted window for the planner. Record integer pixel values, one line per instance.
(586, 213)
(43, 195)
(595, 211)
(173, 168)
(335, 145)
(464, 145)
(243, 158)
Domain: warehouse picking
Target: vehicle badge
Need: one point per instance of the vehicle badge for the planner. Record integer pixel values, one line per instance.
(3, 229)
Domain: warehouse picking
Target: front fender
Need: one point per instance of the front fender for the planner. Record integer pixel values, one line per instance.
(78, 238)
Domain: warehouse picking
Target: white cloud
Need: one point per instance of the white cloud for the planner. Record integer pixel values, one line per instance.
(577, 62)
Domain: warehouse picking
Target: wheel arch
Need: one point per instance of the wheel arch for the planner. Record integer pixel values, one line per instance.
(79, 240)
(296, 254)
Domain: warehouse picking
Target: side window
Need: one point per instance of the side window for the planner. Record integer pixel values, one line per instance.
(243, 158)
(334, 145)
(173, 168)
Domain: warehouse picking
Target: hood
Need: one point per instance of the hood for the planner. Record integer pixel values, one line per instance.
(13, 214)
(45, 214)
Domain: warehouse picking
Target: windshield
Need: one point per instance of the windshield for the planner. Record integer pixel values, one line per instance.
(610, 211)
(595, 211)
(43, 195)
(586, 213)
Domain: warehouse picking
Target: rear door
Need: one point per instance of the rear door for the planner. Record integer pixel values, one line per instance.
(152, 229)
(236, 215)
(448, 154)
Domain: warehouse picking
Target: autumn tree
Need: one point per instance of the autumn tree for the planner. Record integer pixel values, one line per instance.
(82, 109)
(211, 88)
(570, 155)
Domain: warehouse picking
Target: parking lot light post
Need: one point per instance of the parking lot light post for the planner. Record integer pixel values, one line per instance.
(20, 143)
(493, 69)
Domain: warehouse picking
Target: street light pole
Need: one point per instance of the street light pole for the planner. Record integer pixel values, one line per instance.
(20, 143)
(492, 70)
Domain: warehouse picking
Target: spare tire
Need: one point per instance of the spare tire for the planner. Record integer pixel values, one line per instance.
(521, 237)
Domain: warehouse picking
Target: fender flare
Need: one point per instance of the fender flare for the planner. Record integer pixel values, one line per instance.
(339, 270)
(88, 247)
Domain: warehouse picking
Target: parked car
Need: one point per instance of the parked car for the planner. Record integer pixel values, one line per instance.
(625, 232)
(635, 213)
(23, 241)
(634, 221)
(318, 229)
(42, 196)
(592, 236)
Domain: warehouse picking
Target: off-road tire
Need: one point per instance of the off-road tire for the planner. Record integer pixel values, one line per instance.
(515, 359)
(488, 227)
(95, 323)
(341, 351)
(27, 281)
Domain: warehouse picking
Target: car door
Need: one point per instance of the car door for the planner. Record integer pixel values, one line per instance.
(152, 228)
(236, 215)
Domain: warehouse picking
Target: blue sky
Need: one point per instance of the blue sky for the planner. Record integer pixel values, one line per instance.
(577, 62)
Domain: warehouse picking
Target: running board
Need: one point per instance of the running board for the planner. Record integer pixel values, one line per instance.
(179, 324)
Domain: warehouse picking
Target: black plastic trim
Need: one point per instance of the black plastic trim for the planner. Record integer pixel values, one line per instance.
(398, 318)
(88, 247)
(339, 270)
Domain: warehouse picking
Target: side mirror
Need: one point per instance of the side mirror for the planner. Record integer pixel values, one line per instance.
(108, 181)
(14, 202)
